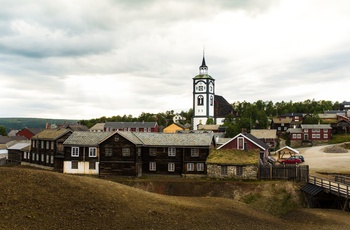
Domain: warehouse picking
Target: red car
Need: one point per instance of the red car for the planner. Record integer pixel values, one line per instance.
(291, 160)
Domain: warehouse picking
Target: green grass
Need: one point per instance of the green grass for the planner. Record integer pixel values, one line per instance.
(340, 138)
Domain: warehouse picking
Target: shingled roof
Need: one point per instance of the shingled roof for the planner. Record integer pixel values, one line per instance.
(82, 138)
(51, 134)
(122, 125)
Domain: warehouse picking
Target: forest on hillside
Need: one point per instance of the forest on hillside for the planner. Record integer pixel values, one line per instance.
(248, 115)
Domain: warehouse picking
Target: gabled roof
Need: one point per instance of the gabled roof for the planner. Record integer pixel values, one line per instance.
(122, 125)
(20, 145)
(316, 126)
(264, 133)
(222, 107)
(35, 130)
(289, 148)
(130, 136)
(98, 126)
(279, 120)
(175, 139)
(51, 134)
(82, 138)
(259, 143)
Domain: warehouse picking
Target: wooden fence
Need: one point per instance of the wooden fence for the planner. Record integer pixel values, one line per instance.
(299, 173)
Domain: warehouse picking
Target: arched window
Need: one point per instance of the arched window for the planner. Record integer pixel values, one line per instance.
(200, 100)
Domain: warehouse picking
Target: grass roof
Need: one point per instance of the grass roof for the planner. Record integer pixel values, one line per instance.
(233, 156)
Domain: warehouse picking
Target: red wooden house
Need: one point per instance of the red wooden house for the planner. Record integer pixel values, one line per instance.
(310, 134)
(131, 126)
(28, 132)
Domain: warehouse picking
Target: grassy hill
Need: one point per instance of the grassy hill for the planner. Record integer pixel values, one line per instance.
(37, 199)
(20, 123)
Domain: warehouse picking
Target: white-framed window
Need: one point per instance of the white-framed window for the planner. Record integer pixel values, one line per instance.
(240, 143)
(149, 130)
(42, 157)
(33, 143)
(33, 156)
(294, 136)
(171, 151)
(200, 166)
(306, 130)
(152, 166)
(47, 144)
(190, 167)
(47, 159)
(325, 130)
(315, 136)
(52, 144)
(75, 151)
(51, 159)
(315, 131)
(37, 157)
(41, 144)
(194, 152)
(126, 152)
(299, 136)
(92, 152)
(171, 167)
(25, 155)
(325, 135)
(153, 152)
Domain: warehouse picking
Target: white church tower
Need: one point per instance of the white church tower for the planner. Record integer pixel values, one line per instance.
(203, 96)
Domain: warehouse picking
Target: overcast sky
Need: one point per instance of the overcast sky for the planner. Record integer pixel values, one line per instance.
(86, 59)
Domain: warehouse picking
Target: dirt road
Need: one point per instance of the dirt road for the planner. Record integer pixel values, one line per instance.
(319, 161)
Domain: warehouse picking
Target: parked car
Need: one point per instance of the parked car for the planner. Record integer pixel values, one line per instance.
(271, 159)
(300, 157)
(291, 160)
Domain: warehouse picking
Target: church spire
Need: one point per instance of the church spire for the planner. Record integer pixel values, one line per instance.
(203, 69)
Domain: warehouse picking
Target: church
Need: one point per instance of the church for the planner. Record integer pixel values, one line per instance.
(207, 105)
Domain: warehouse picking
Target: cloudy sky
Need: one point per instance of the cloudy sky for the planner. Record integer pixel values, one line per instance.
(85, 59)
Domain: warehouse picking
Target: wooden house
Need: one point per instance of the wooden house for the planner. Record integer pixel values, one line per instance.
(268, 136)
(247, 142)
(233, 163)
(310, 134)
(28, 133)
(281, 124)
(47, 148)
(131, 126)
(175, 153)
(120, 155)
(339, 123)
(16, 152)
(82, 153)
(173, 128)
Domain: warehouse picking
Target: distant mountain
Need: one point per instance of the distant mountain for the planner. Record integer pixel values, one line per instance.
(19, 123)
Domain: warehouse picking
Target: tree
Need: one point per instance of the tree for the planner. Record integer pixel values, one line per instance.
(3, 131)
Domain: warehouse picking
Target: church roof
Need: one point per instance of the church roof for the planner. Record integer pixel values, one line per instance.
(222, 107)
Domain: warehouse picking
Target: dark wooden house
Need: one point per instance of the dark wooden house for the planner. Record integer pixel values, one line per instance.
(120, 155)
(82, 152)
(16, 152)
(47, 148)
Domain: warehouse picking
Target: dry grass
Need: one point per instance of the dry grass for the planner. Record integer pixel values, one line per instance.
(37, 199)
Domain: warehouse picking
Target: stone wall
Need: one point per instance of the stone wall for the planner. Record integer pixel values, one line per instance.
(249, 171)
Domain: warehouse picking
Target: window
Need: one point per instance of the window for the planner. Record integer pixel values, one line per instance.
(194, 152)
(200, 166)
(299, 136)
(92, 151)
(240, 143)
(47, 159)
(37, 157)
(224, 170)
(116, 138)
(190, 167)
(239, 170)
(171, 151)
(108, 152)
(211, 100)
(42, 144)
(92, 165)
(153, 152)
(200, 100)
(33, 156)
(171, 167)
(325, 136)
(126, 152)
(74, 164)
(200, 88)
(52, 144)
(315, 130)
(137, 129)
(75, 151)
(51, 159)
(42, 157)
(33, 144)
(294, 136)
(138, 152)
(47, 144)
(149, 130)
(152, 166)
(306, 130)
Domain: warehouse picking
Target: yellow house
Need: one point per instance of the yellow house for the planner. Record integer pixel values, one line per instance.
(173, 128)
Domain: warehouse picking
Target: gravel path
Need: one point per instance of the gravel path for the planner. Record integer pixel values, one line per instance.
(319, 161)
